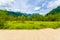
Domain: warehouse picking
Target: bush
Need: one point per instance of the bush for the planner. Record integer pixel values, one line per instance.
(1, 24)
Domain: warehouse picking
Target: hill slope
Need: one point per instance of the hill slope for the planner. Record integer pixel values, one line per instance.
(55, 11)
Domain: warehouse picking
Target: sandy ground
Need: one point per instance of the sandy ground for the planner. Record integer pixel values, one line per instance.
(43, 34)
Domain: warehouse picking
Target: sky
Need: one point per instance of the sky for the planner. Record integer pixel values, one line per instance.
(29, 6)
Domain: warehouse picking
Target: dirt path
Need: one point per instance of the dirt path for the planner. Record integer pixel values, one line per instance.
(43, 34)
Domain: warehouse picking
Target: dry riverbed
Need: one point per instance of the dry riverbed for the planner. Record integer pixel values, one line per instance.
(42, 34)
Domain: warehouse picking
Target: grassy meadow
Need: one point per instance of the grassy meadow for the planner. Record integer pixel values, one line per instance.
(31, 24)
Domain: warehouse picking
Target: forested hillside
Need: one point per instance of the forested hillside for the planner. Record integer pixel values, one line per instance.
(53, 15)
(54, 11)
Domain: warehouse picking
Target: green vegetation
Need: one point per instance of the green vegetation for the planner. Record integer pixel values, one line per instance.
(18, 20)
(31, 25)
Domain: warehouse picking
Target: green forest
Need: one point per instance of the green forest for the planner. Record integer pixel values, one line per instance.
(19, 20)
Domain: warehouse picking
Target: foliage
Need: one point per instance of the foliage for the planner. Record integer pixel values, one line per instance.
(2, 18)
(31, 25)
(53, 15)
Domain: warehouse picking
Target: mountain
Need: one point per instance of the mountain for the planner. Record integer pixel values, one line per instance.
(18, 13)
(10, 13)
(54, 11)
(14, 13)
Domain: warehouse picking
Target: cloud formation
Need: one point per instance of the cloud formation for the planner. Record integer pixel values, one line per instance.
(2, 2)
(29, 6)
(36, 8)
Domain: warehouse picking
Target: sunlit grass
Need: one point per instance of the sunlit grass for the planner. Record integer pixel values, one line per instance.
(31, 25)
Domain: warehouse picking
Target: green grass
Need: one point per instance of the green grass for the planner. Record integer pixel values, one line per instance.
(31, 25)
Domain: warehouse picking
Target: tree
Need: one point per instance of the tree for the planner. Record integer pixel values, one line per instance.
(37, 17)
(2, 18)
(21, 18)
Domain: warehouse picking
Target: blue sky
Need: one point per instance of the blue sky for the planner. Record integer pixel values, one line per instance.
(29, 6)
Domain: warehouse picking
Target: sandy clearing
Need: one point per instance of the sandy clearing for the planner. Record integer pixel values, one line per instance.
(43, 34)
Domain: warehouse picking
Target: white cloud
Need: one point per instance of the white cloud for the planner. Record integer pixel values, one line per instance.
(37, 8)
(19, 5)
(54, 4)
(2, 2)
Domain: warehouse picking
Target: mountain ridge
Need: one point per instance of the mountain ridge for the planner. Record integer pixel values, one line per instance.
(54, 11)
